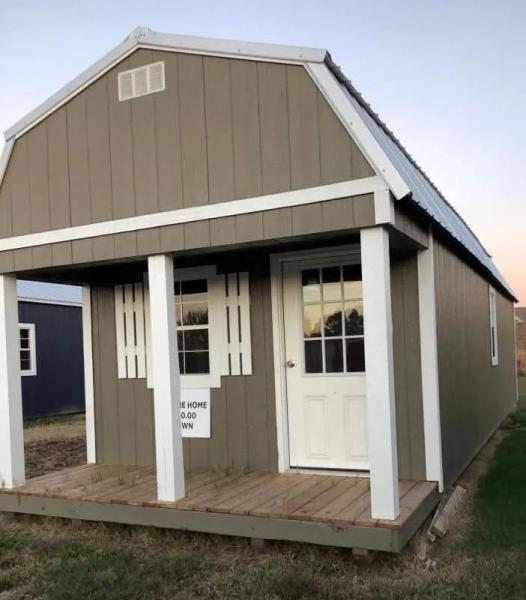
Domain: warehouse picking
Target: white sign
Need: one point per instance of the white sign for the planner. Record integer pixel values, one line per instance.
(195, 413)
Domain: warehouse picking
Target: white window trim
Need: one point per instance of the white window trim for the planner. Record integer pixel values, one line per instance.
(32, 349)
(217, 335)
(493, 331)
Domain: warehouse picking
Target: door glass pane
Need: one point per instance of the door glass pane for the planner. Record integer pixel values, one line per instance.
(331, 284)
(310, 280)
(313, 357)
(352, 282)
(353, 318)
(355, 355)
(334, 356)
(196, 362)
(312, 320)
(332, 319)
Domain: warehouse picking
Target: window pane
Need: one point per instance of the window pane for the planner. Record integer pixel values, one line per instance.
(332, 319)
(178, 317)
(25, 364)
(353, 318)
(24, 343)
(177, 288)
(180, 340)
(334, 356)
(194, 291)
(332, 289)
(313, 357)
(195, 313)
(310, 280)
(196, 339)
(355, 356)
(312, 320)
(196, 362)
(181, 363)
(352, 282)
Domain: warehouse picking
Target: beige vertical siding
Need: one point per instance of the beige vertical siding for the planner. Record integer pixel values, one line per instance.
(407, 370)
(474, 396)
(224, 129)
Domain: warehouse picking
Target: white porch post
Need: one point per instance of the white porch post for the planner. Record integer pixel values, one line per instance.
(429, 364)
(166, 380)
(381, 415)
(12, 468)
(89, 396)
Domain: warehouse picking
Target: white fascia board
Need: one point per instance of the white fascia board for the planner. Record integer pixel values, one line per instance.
(144, 38)
(4, 158)
(233, 48)
(333, 92)
(198, 213)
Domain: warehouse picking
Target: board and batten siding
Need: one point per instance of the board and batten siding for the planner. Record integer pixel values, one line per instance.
(224, 129)
(474, 396)
(243, 410)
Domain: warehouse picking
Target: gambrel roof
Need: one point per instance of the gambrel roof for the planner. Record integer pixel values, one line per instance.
(387, 155)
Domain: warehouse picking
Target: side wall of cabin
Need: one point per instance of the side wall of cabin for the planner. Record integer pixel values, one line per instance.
(474, 395)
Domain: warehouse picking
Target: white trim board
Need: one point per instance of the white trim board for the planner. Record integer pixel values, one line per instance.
(429, 364)
(335, 95)
(321, 193)
(52, 302)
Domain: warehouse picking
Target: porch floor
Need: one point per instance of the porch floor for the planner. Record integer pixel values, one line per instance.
(325, 509)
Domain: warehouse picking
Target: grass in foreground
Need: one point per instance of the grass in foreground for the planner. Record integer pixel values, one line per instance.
(46, 558)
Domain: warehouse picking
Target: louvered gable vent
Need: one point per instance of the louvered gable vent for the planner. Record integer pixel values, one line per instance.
(141, 81)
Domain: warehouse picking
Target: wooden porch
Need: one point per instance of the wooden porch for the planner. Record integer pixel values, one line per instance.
(322, 509)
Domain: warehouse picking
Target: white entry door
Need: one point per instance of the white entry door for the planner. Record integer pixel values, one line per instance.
(325, 367)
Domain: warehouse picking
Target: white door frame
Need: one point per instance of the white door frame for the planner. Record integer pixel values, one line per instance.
(278, 335)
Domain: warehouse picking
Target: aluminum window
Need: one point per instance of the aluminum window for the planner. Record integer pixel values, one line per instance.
(28, 360)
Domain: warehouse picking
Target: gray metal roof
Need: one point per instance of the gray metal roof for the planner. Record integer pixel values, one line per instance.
(50, 293)
(423, 191)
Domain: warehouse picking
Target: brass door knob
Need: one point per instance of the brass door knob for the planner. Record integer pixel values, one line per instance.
(291, 364)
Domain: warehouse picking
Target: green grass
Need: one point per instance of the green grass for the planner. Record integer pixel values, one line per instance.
(52, 560)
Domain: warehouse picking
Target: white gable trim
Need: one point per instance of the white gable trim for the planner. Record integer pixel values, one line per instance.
(353, 122)
(143, 37)
(4, 158)
(197, 213)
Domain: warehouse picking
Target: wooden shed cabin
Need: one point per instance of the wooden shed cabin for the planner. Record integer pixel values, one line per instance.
(288, 331)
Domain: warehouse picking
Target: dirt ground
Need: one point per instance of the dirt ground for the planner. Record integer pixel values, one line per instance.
(51, 445)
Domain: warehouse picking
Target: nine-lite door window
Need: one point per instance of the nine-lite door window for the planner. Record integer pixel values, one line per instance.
(191, 305)
(28, 364)
(333, 320)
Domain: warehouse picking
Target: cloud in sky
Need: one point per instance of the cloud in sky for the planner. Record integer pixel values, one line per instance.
(446, 76)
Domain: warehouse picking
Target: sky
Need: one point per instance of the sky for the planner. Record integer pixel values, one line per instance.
(448, 77)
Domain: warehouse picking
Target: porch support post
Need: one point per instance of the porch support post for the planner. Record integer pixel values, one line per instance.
(381, 411)
(166, 380)
(12, 468)
(429, 364)
(89, 396)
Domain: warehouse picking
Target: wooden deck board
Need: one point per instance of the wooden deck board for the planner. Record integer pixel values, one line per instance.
(325, 499)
